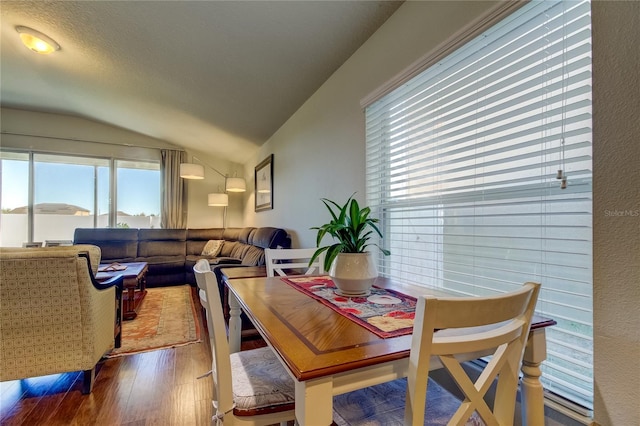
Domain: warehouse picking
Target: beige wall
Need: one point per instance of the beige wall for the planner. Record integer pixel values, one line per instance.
(616, 211)
(319, 152)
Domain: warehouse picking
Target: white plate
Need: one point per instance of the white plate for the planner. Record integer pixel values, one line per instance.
(382, 299)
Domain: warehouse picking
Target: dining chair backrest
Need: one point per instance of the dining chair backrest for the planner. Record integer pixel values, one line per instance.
(202, 266)
(221, 364)
(285, 261)
(502, 322)
(226, 409)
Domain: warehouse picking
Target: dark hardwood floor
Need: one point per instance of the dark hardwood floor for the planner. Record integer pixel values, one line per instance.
(153, 388)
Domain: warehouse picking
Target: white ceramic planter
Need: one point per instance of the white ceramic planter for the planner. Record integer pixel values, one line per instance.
(354, 273)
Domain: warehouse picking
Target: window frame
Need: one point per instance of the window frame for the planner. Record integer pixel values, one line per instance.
(112, 183)
(432, 58)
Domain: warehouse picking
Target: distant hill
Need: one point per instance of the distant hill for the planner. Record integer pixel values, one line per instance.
(52, 208)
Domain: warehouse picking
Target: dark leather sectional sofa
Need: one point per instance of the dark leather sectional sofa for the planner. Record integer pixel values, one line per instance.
(172, 253)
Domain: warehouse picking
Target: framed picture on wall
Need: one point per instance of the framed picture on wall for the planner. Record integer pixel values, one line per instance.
(264, 184)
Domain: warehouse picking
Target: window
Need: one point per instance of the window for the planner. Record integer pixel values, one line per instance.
(65, 196)
(138, 194)
(14, 198)
(69, 192)
(462, 167)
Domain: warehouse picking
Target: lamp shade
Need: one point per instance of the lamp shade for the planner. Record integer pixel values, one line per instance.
(218, 200)
(191, 171)
(235, 184)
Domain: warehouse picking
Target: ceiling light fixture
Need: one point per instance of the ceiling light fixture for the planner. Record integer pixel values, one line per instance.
(36, 41)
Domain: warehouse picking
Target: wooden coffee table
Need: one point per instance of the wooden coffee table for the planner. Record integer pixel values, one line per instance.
(134, 283)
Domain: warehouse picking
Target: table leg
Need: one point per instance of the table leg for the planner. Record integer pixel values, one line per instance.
(314, 402)
(235, 324)
(532, 391)
(130, 303)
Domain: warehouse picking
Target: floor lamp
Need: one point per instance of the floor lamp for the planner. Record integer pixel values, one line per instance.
(216, 199)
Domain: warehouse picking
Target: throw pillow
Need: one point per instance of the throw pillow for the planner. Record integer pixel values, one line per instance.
(212, 248)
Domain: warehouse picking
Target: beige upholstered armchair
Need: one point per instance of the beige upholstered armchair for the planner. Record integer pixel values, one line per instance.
(54, 316)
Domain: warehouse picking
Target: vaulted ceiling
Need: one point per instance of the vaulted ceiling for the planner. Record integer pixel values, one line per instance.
(214, 76)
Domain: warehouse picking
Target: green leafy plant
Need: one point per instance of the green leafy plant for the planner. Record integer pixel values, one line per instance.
(351, 226)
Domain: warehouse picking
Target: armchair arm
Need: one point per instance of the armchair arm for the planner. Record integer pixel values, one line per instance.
(117, 282)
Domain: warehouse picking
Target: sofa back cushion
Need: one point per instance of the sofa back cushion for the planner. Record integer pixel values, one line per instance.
(254, 256)
(116, 244)
(268, 237)
(161, 242)
(246, 234)
(231, 234)
(197, 238)
(239, 250)
(227, 248)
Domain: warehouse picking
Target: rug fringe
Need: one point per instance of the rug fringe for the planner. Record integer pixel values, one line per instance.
(118, 355)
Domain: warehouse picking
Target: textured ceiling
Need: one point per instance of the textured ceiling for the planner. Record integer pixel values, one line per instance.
(214, 76)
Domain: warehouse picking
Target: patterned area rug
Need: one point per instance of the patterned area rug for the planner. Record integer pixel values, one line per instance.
(167, 319)
(383, 405)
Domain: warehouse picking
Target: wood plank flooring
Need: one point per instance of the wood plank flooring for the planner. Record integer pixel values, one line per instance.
(152, 388)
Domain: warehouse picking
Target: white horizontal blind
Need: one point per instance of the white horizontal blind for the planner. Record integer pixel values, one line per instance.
(461, 170)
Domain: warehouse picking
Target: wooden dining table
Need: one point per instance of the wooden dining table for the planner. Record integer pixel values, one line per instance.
(328, 354)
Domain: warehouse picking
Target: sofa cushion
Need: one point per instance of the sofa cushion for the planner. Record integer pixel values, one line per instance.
(204, 234)
(254, 256)
(212, 248)
(160, 265)
(116, 244)
(269, 237)
(245, 234)
(231, 234)
(239, 250)
(159, 234)
(227, 248)
(161, 248)
(197, 238)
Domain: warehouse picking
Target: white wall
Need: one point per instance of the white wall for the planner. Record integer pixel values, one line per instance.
(319, 152)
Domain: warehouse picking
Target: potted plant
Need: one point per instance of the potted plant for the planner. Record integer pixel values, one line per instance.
(347, 260)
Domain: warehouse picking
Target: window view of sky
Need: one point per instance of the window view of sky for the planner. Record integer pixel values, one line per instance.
(137, 190)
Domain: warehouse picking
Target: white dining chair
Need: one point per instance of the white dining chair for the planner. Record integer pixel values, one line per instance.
(203, 265)
(249, 387)
(285, 261)
(494, 325)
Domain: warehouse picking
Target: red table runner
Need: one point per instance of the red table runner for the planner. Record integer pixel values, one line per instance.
(387, 313)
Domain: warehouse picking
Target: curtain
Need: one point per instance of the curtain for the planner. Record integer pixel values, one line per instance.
(174, 190)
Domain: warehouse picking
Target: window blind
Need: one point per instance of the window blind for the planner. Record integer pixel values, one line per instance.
(462, 169)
